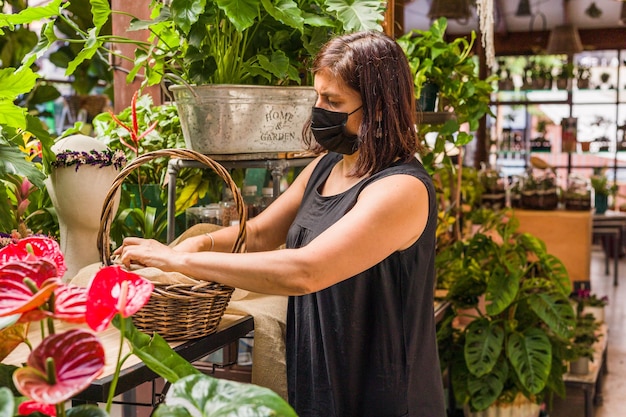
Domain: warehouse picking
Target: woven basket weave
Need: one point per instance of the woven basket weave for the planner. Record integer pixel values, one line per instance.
(180, 311)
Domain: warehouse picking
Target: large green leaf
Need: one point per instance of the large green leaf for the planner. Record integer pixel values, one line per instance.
(31, 14)
(15, 82)
(242, 13)
(12, 162)
(201, 395)
(100, 10)
(485, 390)
(285, 11)
(530, 354)
(186, 12)
(156, 353)
(7, 402)
(502, 288)
(483, 344)
(12, 115)
(357, 15)
(555, 310)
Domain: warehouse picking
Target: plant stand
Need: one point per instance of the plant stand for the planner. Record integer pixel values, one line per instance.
(591, 383)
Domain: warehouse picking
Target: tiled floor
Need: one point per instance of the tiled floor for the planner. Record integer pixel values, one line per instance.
(614, 387)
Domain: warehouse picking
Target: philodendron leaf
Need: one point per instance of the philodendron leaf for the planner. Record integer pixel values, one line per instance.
(530, 354)
(7, 402)
(555, 310)
(202, 395)
(483, 345)
(485, 390)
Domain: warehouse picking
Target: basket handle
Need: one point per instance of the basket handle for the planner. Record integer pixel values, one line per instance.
(106, 216)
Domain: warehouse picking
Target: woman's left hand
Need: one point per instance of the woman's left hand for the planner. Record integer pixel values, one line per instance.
(144, 252)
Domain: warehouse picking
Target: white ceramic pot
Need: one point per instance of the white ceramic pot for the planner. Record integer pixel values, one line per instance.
(520, 407)
(598, 312)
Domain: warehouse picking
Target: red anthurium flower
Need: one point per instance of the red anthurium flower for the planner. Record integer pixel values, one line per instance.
(70, 303)
(29, 407)
(38, 270)
(17, 297)
(41, 247)
(114, 290)
(135, 136)
(78, 359)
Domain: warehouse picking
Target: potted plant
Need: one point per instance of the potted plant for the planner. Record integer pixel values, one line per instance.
(583, 74)
(541, 143)
(602, 189)
(513, 296)
(216, 45)
(539, 191)
(577, 196)
(582, 350)
(451, 67)
(587, 302)
(565, 75)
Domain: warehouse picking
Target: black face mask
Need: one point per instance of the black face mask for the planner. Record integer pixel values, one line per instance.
(328, 129)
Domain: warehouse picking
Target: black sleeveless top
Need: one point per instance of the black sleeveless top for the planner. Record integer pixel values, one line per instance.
(365, 346)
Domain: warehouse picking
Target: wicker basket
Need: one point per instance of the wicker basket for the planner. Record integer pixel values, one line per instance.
(181, 311)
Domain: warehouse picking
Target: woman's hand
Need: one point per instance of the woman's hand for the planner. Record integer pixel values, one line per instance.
(144, 252)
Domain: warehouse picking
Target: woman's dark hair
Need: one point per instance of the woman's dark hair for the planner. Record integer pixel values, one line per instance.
(373, 64)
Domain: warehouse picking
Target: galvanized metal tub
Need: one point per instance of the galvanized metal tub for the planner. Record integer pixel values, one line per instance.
(241, 119)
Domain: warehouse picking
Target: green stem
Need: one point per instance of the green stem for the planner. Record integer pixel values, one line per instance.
(118, 367)
(60, 408)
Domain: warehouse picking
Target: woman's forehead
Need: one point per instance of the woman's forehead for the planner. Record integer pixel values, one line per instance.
(327, 84)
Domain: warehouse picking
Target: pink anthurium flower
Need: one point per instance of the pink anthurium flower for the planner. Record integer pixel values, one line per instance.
(70, 303)
(18, 297)
(62, 366)
(37, 270)
(34, 247)
(114, 290)
(29, 407)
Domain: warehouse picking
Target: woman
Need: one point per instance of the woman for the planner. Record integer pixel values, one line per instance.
(359, 226)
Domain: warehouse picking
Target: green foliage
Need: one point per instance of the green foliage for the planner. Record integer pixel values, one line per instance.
(201, 395)
(516, 295)
(584, 338)
(246, 42)
(601, 185)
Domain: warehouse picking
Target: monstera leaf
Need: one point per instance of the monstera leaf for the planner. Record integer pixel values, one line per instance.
(483, 345)
(530, 354)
